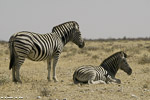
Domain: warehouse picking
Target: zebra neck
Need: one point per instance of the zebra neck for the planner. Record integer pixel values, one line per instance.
(113, 70)
(65, 38)
(111, 67)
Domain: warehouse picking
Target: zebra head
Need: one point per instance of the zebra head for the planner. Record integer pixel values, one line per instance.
(77, 38)
(69, 31)
(123, 65)
(115, 62)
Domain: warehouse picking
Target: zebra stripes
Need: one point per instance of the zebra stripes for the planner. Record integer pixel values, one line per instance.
(115, 62)
(39, 47)
(105, 73)
(90, 74)
(75, 37)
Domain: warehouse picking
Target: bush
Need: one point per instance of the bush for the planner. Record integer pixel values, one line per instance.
(95, 57)
(1, 52)
(144, 59)
(91, 48)
(45, 92)
(4, 79)
(7, 52)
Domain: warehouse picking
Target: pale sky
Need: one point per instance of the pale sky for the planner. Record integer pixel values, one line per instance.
(96, 18)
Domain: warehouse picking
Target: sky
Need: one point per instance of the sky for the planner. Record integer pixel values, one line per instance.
(96, 18)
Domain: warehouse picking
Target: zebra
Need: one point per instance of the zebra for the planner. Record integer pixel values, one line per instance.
(105, 72)
(39, 47)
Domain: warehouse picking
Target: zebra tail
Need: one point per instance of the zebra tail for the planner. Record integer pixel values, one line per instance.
(12, 56)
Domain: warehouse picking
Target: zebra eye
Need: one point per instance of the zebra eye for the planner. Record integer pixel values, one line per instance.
(79, 34)
(125, 62)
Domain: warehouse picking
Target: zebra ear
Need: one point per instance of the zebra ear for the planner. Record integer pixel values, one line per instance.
(123, 55)
(75, 26)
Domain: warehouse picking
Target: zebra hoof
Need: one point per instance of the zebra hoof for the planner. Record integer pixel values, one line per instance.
(14, 80)
(55, 79)
(49, 80)
(19, 81)
(118, 81)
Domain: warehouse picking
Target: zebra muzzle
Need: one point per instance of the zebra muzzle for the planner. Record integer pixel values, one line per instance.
(82, 45)
(129, 71)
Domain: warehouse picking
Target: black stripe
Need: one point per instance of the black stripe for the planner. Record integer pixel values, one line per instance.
(37, 46)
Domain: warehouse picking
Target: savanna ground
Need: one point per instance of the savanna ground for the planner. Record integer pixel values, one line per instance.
(34, 74)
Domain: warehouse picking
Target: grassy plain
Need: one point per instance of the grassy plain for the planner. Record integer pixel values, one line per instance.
(34, 74)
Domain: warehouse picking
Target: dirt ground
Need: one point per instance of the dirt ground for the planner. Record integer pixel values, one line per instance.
(34, 74)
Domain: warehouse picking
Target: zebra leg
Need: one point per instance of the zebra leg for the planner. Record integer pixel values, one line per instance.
(117, 81)
(49, 69)
(54, 67)
(18, 75)
(113, 80)
(97, 82)
(19, 62)
(13, 74)
(92, 78)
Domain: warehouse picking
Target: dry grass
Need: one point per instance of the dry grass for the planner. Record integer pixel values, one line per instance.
(34, 74)
(144, 59)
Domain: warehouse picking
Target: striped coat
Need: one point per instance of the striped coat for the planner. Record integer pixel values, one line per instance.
(105, 73)
(39, 47)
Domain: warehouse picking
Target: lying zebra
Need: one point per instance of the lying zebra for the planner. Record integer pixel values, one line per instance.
(105, 73)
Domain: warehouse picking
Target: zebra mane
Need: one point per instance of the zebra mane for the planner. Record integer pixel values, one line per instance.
(65, 30)
(116, 54)
(110, 60)
(70, 25)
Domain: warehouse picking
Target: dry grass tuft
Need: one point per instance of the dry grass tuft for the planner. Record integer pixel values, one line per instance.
(95, 57)
(1, 52)
(4, 79)
(91, 48)
(145, 59)
(45, 92)
(6, 51)
(146, 84)
(146, 70)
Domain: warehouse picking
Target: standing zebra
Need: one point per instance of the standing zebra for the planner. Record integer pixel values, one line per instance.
(39, 47)
(105, 73)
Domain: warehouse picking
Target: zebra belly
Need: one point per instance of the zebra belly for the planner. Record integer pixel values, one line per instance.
(39, 52)
(35, 56)
(86, 75)
(83, 79)
(100, 76)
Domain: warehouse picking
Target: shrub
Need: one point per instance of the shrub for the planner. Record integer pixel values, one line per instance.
(45, 92)
(95, 57)
(1, 52)
(3, 79)
(70, 52)
(7, 52)
(144, 59)
(91, 48)
(146, 70)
